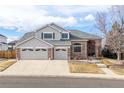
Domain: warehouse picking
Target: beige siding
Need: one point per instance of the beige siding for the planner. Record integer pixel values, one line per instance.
(34, 43)
(49, 29)
(61, 46)
(3, 39)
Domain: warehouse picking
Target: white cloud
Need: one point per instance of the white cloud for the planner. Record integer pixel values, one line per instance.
(27, 18)
(89, 17)
(12, 38)
(8, 27)
(81, 19)
(70, 10)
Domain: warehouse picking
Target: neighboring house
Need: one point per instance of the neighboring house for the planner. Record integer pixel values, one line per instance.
(3, 42)
(11, 45)
(54, 42)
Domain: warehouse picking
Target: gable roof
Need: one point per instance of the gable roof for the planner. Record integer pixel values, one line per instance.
(13, 42)
(58, 27)
(3, 35)
(26, 36)
(53, 26)
(76, 34)
(32, 38)
(58, 42)
(3, 43)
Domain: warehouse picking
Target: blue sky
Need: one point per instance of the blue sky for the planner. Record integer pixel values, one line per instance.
(17, 20)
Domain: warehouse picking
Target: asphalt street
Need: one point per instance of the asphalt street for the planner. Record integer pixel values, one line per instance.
(59, 82)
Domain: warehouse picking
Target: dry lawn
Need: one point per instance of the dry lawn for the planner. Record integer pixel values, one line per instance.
(84, 68)
(118, 69)
(5, 64)
(106, 62)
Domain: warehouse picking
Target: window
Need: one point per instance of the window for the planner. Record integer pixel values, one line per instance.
(77, 47)
(48, 35)
(27, 49)
(30, 49)
(60, 49)
(65, 35)
(37, 49)
(24, 49)
(43, 49)
(57, 49)
(63, 49)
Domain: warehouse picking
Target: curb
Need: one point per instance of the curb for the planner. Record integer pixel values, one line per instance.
(66, 76)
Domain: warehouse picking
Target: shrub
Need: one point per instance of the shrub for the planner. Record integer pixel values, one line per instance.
(107, 53)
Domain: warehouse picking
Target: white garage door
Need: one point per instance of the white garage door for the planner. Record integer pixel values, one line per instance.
(34, 54)
(60, 54)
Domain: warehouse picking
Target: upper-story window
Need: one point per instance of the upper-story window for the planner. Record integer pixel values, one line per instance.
(65, 36)
(48, 35)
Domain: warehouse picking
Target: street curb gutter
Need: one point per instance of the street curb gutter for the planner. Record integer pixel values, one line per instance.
(64, 76)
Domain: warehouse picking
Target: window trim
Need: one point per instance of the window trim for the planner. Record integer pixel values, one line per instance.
(48, 33)
(65, 33)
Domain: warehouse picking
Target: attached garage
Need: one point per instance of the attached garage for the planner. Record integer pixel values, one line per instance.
(60, 53)
(33, 49)
(37, 49)
(34, 54)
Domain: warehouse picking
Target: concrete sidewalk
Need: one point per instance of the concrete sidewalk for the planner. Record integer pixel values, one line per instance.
(51, 68)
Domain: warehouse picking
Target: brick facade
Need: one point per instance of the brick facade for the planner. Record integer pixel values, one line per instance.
(73, 55)
(91, 48)
(69, 53)
(88, 48)
(51, 53)
(18, 53)
(98, 48)
(82, 54)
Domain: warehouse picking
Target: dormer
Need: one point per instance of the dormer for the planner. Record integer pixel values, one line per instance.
(52, 32)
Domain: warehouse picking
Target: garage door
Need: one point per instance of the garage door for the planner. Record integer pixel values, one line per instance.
(34, 54)
(60, 54)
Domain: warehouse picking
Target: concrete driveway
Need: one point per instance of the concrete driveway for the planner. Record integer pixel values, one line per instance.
(49, 68)
(38, 67)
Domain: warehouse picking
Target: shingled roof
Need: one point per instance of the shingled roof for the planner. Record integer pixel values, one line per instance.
(27, 35)
(59, 42)
(2, 35)
(76, 34)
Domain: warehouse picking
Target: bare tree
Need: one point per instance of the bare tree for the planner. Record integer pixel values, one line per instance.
(101, 22)
(102, 25)
(115, 40)
(113, 37)
(116, 34)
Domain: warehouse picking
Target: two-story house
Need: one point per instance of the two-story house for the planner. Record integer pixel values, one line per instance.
(54, 42)
(3, 42)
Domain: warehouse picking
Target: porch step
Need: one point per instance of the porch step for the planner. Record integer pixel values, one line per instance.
(96, 61)
(101, 65)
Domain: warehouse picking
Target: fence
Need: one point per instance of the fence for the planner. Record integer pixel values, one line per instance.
(8, 54)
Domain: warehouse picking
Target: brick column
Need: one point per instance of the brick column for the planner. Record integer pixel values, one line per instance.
(98, 48)
(18, 53)
(50, 53)
(69, 53)
(86, 49)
